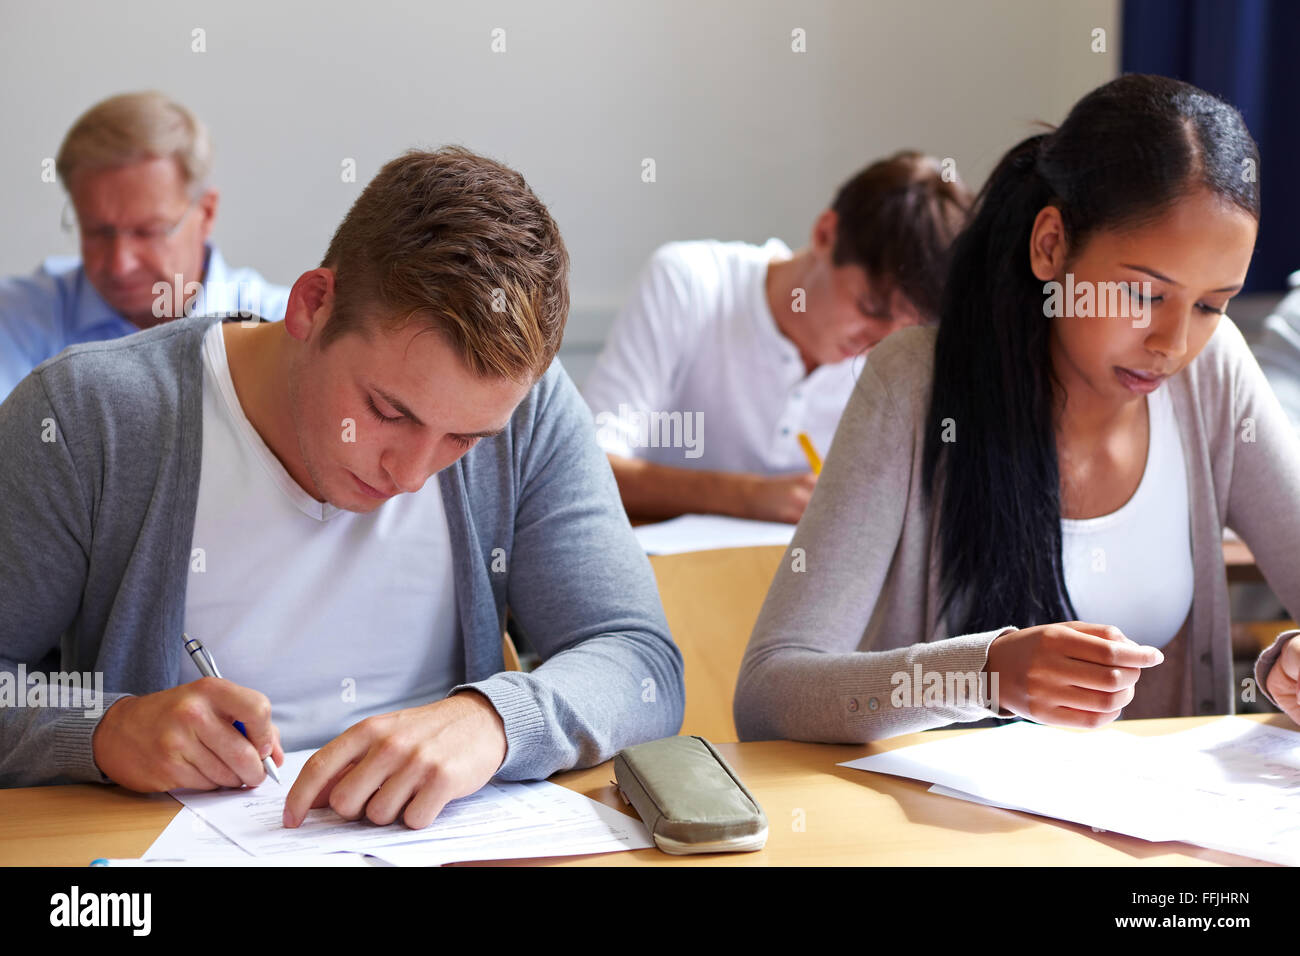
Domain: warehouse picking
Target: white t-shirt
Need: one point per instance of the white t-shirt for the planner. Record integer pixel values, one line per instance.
(333, 615)
(1133, 567)
(696, 374)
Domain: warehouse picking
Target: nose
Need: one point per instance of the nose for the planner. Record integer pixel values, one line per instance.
(122, 257)
(869, 335)
(1168, 333)
(409, 468)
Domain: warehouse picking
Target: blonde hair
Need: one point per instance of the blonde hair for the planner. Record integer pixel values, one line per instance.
(133, 127)
(460, 244)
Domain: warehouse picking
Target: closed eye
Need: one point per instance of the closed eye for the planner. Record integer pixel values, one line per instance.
(380, 416)
(383, 419)
(1157, 299)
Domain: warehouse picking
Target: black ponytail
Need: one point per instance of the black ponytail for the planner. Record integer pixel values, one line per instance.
(1126, 152)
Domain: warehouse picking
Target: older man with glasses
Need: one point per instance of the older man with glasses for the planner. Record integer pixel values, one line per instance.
(135, 167)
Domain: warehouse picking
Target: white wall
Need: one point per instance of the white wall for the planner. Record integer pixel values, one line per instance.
(749, 138)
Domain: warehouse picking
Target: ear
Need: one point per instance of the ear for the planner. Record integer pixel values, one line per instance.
(823, 233)
(311, 300)
(1047, 248)
(207, 210)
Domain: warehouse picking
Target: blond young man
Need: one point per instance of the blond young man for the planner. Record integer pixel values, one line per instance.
(135, 168)
(266, 490)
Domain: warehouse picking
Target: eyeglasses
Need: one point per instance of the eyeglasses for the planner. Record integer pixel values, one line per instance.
(155, 234)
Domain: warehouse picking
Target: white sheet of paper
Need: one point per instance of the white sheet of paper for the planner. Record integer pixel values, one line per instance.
(1231, 785)
(1032, 766)
(710, 532)
(971, 798)
(609, 832)
(501, 818)
(189, 836)
(190, 841)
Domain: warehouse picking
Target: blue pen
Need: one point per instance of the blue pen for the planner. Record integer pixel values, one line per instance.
(207, 666)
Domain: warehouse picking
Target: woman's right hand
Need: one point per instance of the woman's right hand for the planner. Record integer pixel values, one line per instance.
(1072, 674)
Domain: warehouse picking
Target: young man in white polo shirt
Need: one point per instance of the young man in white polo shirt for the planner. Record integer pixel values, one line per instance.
(727, 351)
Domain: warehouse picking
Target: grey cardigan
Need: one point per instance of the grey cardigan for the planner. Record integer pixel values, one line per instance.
(95, 536)
(855, 601)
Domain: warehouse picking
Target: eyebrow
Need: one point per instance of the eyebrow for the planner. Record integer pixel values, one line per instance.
(402, 409)
(1156, 275)
(876, 308)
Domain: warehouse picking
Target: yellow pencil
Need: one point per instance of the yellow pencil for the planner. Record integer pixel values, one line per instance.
(814, 459)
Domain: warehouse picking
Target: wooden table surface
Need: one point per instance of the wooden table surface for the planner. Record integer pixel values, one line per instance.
(819, 815)
(711, 600)
(1239, 562)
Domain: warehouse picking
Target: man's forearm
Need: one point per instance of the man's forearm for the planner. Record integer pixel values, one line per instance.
(654, 492)
(40, 744)
(583, 705)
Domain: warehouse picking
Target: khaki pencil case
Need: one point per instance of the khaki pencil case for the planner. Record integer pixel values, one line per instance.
(690, 800)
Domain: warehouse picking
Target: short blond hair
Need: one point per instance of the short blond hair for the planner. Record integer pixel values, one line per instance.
(133, 127)
(460, 244)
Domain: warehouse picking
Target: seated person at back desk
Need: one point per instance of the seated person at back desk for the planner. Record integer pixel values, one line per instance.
(135, 167)
(265, 490)
(1277, 349)
(758, 346)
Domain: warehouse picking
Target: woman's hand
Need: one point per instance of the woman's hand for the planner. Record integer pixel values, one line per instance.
(1071, 674)
(1281, 682)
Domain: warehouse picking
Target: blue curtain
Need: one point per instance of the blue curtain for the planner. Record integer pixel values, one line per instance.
(1248, 53)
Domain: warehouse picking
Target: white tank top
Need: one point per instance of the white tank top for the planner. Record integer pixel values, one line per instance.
(1133, 567)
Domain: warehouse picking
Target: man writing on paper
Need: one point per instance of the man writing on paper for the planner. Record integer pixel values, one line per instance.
(727, 352)
(135, 167)
(266, 490)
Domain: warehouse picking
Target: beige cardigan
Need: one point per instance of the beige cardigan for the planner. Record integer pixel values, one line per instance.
(855, 600)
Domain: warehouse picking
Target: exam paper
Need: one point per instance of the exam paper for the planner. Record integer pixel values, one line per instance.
(190, 841)
(609, 832)
(971, 798)
(189, 836)
(1231, 785)
(710, 532)
(498, 822)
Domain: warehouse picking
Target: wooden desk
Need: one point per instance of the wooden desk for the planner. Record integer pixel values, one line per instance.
(1249, 637)
(849, 818)
(1239, 562)
(711, 600)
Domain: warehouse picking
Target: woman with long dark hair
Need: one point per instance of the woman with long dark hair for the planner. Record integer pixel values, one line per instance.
(1022, 511)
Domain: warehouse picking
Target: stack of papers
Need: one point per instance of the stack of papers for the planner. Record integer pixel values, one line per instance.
(709, 533)
(500, 821)
(1231, 785)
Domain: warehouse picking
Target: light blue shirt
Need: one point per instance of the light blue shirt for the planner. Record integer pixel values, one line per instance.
(57, 306)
